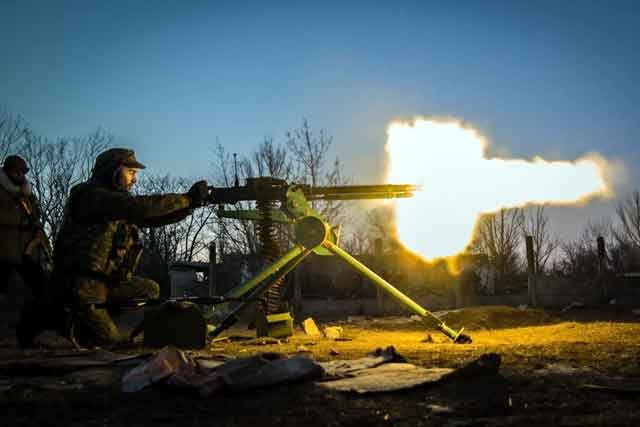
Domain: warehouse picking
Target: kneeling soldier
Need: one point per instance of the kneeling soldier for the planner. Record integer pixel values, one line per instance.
(98, 248)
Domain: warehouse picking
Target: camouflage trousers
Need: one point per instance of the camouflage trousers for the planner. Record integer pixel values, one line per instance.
(94, 326)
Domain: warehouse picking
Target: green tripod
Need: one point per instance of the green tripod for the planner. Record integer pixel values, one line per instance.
(313, 234)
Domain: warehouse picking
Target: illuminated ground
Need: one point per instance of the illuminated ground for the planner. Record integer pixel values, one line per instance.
(550, 361)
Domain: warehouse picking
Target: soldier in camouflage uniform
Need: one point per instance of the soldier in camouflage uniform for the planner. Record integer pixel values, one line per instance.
(24, 247)
(21, 233)
(98, 248)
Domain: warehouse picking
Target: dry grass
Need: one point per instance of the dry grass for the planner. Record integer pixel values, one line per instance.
(525, 338)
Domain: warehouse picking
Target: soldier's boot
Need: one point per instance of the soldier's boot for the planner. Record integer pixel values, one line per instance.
(94, 328)
(66, 327)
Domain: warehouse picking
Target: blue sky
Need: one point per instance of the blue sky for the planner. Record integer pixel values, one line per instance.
(550, 78)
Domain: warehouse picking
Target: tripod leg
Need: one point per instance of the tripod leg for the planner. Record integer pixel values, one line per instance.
(258, 289)
(394, 292)
(241, 290)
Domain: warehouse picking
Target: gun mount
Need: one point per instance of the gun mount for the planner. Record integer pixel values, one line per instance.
(280, 202)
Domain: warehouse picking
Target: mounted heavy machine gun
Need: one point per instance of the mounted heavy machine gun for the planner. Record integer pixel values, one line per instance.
(276, 201)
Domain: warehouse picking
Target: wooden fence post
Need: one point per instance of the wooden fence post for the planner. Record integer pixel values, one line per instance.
(213, 269)
(531, 273)
(602, 255)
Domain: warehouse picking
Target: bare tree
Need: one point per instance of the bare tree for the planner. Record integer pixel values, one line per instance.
(357, 244)
(269, 160)
(302, 159)
(310, 153)
(536, 225)
(182, 241)
(498, 237)
(579, 257)
(234, 236)
(628, 214)
(56, 166)
(13, 130)
(378, 223)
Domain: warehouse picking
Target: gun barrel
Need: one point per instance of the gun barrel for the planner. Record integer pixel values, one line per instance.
(358, 192)
(267, 188)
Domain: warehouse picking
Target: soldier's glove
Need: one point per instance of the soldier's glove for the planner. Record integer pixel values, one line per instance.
(199, 194)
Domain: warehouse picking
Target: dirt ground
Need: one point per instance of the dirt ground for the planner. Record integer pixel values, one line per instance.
(580, 367)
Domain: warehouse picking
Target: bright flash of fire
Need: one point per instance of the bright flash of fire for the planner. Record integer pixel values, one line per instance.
(459, 183)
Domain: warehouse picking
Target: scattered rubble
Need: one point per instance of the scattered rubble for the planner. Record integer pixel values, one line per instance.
(357, 319)
(264, 341)
(574, 305)
(258, 371)
(385, 371)
(381, 371)
(178, 369)
(167, 362)
(329, 332)
(545, 383)
(561, 369)
(342, 368)
(63, 363)
(310, 328)
(428, 339)
(387, 377)
(333, 332)
(616, 385)
(439, 409)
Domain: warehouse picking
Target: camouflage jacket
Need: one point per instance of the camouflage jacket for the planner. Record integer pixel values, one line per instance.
(19, 219)
(99, 235)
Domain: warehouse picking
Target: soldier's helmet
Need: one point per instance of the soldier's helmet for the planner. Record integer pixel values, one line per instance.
(109, 161)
